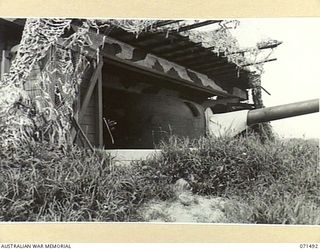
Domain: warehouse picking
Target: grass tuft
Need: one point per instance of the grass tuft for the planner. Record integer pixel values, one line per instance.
(47, 183)
(274, 182)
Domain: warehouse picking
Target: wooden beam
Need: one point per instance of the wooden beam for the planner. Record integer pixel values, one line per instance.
(92, 84)
(264, 61)
(164, 23)
(161, 41)
(224, 72)
(143, 36)
(198, 25)
(223, 68)
(191, 57)
(183, 51)
(200, 59)
(161, 24)
(194, 46)
(206, 52)
(210, 66)
(100, 117)
(169, 47)
(261, 47)
(232, 78)
(270, 46)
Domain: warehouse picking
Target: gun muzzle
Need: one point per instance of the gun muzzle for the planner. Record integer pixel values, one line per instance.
(282, 111)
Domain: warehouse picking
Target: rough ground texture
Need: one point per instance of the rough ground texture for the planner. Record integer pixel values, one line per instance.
(186, 207)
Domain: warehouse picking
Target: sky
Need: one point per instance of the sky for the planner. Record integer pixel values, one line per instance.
(295, 76)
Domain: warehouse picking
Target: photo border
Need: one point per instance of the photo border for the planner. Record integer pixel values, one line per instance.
(157, 232)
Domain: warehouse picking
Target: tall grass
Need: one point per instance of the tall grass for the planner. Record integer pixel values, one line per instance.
(274, 182)
(47, 183)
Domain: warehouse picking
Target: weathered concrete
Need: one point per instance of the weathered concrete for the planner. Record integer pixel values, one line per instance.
(126, 156)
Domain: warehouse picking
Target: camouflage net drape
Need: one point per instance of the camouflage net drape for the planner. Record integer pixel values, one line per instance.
(47, 114)
(16, 109)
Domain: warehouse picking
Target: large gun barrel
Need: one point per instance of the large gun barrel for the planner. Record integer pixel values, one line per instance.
(282, 111)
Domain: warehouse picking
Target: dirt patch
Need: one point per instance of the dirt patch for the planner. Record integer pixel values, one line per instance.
(186, 207)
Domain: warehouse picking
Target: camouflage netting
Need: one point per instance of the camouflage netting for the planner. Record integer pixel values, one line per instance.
(17, 111)
(40, 90)
(263, 129)
(43, 109)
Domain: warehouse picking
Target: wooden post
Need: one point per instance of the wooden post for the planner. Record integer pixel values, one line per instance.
(100, 119)
(3, 64)
(92, 84)
(81, 108)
